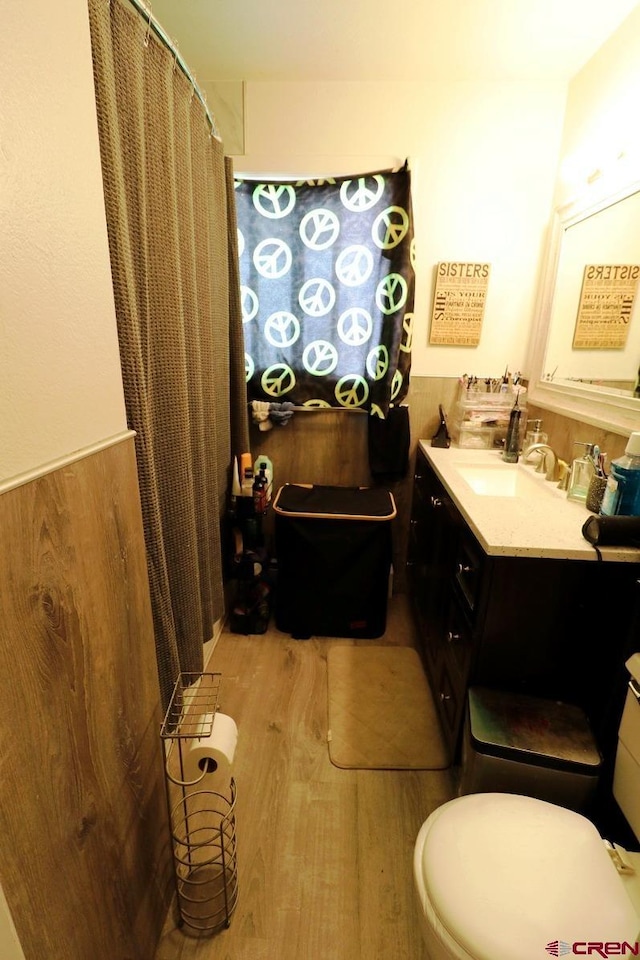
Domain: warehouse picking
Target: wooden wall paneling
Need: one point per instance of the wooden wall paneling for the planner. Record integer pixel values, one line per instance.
(81, 807)
(563, 431)
(323, 446)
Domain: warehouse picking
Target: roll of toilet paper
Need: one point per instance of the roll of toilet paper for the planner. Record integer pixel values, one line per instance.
(212, 754)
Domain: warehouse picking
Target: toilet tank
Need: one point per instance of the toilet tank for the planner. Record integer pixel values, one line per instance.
(626, 778)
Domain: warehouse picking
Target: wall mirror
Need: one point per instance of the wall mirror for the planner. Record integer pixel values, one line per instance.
(585, 354)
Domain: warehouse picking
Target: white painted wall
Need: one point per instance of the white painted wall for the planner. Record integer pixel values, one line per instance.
(484, 157)
(60, 381)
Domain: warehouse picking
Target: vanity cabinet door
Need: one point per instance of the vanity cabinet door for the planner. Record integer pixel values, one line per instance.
(435, 551)
(433, 541)
(468, 569)
(453, 679)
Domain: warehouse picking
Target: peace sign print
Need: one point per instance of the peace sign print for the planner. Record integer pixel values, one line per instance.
(407, 328)
(272, 258)
(278, 379)
(355, 326)
(351, 390)
(390, 228)
(354, 265)
(391, 293)
(316, 403)
(319, 229)
(282, 329)
(320, 358)
(317, 297)
(249, 303)
(274, 200)
(396, 383)
(362, 194)
(327, 273)
(378, 362)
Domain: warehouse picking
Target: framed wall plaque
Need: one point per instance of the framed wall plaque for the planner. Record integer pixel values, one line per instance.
(606, 305)
(458, 303)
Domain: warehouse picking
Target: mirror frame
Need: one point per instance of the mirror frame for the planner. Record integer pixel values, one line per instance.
(594, 405)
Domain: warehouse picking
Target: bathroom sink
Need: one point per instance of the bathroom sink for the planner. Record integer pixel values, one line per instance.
(498, 480)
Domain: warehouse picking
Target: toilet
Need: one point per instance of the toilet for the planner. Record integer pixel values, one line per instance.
(506, 877)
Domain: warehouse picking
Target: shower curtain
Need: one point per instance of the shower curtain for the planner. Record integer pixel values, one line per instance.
(172, 237)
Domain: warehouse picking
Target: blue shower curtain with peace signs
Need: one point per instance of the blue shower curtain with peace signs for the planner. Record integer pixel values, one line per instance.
(327, 285)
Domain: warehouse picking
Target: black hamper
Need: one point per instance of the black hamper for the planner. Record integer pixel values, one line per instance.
(333, 546)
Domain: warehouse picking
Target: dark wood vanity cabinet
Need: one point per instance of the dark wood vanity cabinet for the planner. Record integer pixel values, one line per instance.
(436, 530)
(547, 627)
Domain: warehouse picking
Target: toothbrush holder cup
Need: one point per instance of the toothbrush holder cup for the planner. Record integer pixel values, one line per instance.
(595, 493)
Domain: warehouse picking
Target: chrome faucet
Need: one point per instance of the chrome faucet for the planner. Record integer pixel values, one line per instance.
(548, 459)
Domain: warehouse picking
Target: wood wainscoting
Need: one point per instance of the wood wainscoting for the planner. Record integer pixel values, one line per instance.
(564, 433)
(85, 860)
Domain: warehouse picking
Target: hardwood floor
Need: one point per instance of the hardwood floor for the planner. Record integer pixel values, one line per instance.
(324, 854)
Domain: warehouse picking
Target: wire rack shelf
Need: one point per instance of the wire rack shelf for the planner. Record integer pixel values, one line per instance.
(201, 810)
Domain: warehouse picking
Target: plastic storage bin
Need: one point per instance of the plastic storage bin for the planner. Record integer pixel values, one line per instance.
(333, 546)
(480, 420)
(521, 744)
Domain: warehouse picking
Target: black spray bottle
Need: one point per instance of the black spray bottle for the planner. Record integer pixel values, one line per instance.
(512, 443)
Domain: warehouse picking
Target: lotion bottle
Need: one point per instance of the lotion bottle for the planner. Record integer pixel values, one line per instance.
(534, 433)
(264, 463)
(583, 469)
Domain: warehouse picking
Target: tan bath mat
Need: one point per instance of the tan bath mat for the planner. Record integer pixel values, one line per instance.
(381, 713)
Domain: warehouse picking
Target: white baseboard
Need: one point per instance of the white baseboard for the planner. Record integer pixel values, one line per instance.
(210, 645)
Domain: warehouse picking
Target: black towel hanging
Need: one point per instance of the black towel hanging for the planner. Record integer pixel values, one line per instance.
(388, 442)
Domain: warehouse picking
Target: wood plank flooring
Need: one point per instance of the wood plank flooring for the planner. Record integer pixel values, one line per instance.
(324, 854)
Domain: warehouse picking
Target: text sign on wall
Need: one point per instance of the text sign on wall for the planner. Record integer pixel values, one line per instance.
(458, 303)
(606, 305)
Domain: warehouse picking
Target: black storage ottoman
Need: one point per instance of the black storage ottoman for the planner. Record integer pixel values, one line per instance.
(333, 547)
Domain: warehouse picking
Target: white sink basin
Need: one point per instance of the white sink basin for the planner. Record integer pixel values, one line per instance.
(497, 480)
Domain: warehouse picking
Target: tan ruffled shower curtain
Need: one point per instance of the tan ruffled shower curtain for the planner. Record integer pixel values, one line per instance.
(172, 236)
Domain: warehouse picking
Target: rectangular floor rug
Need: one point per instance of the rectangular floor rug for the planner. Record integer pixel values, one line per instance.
(381, 713)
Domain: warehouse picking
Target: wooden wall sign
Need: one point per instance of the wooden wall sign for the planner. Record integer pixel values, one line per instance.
(606, 306)
(458, 303)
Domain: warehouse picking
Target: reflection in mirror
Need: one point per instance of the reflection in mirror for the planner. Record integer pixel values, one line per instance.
(594, 328)
(585, 353)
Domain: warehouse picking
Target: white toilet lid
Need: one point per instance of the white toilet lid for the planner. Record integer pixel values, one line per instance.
(507, 876)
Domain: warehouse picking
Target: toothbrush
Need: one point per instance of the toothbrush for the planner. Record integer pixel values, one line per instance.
(601, 470)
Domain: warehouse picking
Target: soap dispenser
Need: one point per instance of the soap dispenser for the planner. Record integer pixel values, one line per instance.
(534, 434)
(582, 470)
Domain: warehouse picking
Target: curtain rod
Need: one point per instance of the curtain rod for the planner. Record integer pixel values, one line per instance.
(153, 24)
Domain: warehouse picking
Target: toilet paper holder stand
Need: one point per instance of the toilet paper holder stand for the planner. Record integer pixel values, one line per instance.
(201, 810)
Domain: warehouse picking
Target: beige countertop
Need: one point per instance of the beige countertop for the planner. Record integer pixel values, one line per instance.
(539, 521)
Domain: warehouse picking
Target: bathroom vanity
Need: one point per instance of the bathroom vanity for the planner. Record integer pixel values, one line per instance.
(507, 593)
